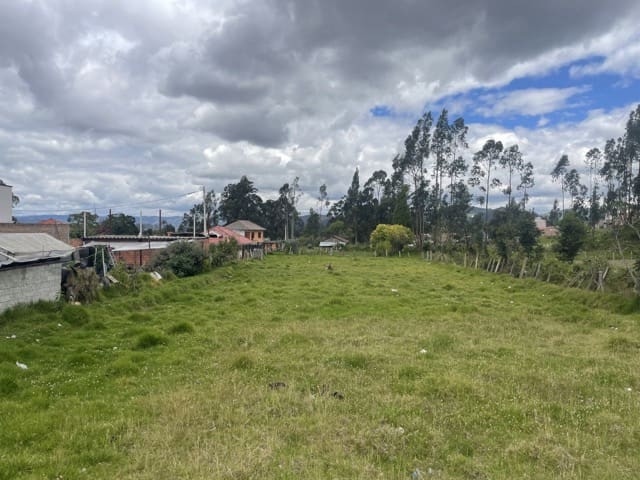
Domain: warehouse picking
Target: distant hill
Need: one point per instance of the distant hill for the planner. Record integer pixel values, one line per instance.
(146, 220)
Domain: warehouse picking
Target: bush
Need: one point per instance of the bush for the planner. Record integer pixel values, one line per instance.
(390, 238)
(223, 253)
(184, 259)
(573, 233)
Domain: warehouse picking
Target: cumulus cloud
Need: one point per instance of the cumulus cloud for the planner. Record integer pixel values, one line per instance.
(530, 101)
(106, 103)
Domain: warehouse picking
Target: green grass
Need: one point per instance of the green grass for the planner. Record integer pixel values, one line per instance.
(378, 368)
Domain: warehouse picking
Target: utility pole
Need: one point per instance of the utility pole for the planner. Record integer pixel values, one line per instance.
(204, 211)
(84, 229)
(160, 221)
(140, 234)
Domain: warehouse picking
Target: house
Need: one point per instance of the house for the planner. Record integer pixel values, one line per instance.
(334, 241)
(6, 203)
(246, 248)
(30, 268)
(541, 223)
(248, 229)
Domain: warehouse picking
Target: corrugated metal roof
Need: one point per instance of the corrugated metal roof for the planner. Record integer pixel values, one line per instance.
(28, 247)
(244, 225)
(130, 246)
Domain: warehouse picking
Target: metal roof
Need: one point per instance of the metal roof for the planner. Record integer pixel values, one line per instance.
(29, 247)
(244, 225)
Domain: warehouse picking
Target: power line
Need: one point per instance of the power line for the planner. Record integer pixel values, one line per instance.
(93, 207)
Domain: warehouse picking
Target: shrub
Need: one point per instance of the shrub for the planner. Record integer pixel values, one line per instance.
(223, 253)
(573, 233)
(81, 285)
(184, 259)
(391, 238)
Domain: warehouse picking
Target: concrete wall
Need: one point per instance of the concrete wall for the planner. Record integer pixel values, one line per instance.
(29, 283)
(59, 230)
(6, 203)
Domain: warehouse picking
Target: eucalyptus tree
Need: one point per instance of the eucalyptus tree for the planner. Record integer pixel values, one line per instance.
(527, 182)
(440, 148)
(511, 161)
(593, 160)
(323, 198)
(417, 148)
(484, 164)
(621, 169)
(577, 191)
(457, 166)
(351, 205)
(558, 174)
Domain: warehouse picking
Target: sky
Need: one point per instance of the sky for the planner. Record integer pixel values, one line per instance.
(136, 105)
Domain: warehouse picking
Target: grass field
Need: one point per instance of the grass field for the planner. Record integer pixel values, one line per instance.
(282, 368)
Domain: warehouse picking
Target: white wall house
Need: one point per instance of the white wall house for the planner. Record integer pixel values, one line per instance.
(6, 203)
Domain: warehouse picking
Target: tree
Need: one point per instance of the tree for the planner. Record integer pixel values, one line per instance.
(484, 161)
(554, 214)
(213, 216)
(593, 160)
(76, 224)
(313, 226)
(240, 202)
(401, 214)
(441, 149)
(573, 233)
(390, 238)
(526, 182)
(577, 191)
(118, 224)
(417, 150)
(513, 229)
(511, 161)
(558, 174)
(351, 208)
(323, 199)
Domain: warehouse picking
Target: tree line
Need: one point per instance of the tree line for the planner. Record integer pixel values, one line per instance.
(431, 188)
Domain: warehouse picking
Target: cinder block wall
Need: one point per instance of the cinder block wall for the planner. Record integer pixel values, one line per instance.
(59, 231)
(29, 283)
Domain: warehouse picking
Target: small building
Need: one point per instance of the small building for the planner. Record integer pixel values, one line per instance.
(30, 268)
(249, 230)
(134, 251)
(6, 203)
(334, 241)
(246, 248)
(541, 223)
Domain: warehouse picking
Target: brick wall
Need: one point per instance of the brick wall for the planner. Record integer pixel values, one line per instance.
(29, 283)
(59, 231)
(135, 258)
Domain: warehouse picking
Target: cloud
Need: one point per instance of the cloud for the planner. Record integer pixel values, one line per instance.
(530, 101)
(109, 102)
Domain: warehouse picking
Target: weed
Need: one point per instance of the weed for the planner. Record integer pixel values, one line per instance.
(181, 327)
(75, 315)
(151, 339)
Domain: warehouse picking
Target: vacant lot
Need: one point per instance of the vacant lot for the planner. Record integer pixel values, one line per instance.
(375, 368)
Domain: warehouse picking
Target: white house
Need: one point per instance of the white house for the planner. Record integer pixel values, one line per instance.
(6, 203)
